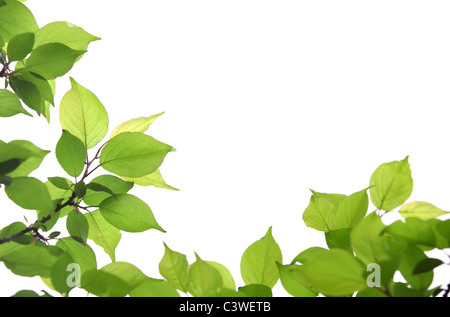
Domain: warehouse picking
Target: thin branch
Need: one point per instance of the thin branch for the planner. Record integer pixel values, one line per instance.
(35, 226)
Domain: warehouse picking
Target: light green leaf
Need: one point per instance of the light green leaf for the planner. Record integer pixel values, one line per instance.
(83, 115)
(305, 255)
(154, 289)
(319, 214)
(367, 242)
(77, 226)
(129, 273)
(32, 162)
(133, 154)
(65, 33)
(52, 60)
(421, 210)
(258, 263)
(339, 238)
(351, 210)
(71, 154)
(16, 18)
(174, 268)
(29, 193)
(10, 151)
(293, 282)
(20, 46)
(135, 125)
(10, 104)
(153, 179)
(227, 278)
(204, 280)
(103, 233)
(391, 184)
(413, 230)
(334, 272)
(59, 273)
(128, 213)
(255, 290)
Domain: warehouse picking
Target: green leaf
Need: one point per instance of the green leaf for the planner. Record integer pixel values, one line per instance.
(14, 228)
(32, 162)
(351, 210)
(9, 166)
(391, 184)
(52, 60)
(135, 125)
(258, 263)
(303, 256)
(16, 18)
(411, 257)
(174, 268)
(128, 213)
(133, 154)
(421, 209)
(65, 33)
(339, 238)
(59, 273)
(426, 265)
(104, 186)
(30, 260)
(80, 189)
(104, 284)
(71, 154)
(27, 92)
(10, 151)
(10, 104)
(103, 233)
(334, 272)
(127, 272)
(204, 280)
(367, 242)
(44, 87)
(20, 46)
(77, 226)
(293, 282)
(83, 255)
(153, 179)
(414, 231)
(154, 289)
(227, 278)
(255, 290)
(29, 193)
(83, 115)
(319, 214)
(60, 182)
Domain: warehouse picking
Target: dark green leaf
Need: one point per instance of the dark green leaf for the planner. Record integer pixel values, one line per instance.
(20, 46)
(77, 226)
(426, 265)
(32, 162)
(115, 185)
(80, 189)
(60, 182)
(71, 154)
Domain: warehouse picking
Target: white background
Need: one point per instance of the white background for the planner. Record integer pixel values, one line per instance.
(263, 100)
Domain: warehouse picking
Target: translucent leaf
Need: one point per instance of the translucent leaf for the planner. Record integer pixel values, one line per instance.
(391, 184)
(114, 184)
(258, 263)
(103, 233)
(294, 283)
(334, 272)
(351, 210)
(104, 284)
(174, 268)
(154, 289)
(413, 230)
(422, 210)
(31, 163)
(319, 214)
(135, 125)
(83, 255)
(10, 104)
(128, 213)
(129, 273)
(411, 257)
(83, 115)
(153, 179)
(204, 280)
(133, 154)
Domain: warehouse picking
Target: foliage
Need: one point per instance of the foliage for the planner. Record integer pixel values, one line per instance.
(363, 257)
